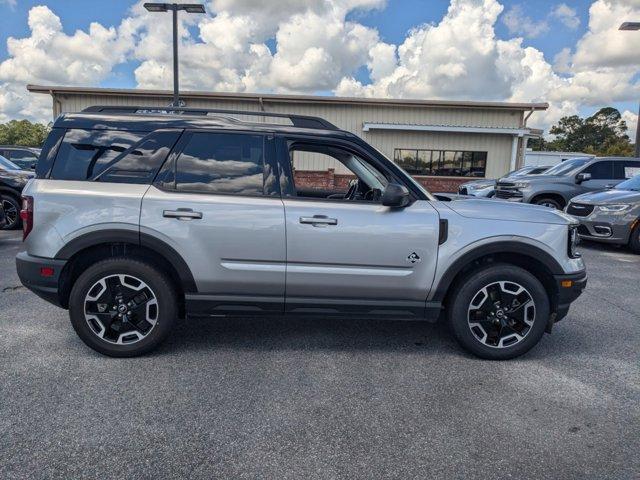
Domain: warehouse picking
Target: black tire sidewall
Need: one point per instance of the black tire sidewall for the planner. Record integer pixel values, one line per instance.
(468, 288)
(155, 279)
(634, 239)
(18, 224)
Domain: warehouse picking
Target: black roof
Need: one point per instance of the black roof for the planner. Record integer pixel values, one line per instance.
(147, 119)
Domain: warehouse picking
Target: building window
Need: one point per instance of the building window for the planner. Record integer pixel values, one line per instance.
(449, 163)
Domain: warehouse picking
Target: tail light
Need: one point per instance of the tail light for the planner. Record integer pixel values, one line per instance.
(26, 214)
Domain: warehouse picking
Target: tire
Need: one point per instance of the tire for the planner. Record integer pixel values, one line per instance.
(95, 288)
(12, 208)
(549, 202)
(634, 240)
(462, 312)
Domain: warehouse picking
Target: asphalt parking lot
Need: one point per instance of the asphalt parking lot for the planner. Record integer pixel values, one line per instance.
(295, 398)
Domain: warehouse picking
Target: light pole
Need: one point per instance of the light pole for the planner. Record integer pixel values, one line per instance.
(174, 8)
(634, 26)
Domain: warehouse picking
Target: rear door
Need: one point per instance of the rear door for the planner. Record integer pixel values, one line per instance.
(216, 202)
(346, 252)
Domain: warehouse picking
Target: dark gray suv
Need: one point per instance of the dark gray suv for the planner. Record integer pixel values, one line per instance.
(566, 180)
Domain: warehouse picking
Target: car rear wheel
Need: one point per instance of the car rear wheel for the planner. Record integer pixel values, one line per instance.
(549, 202)
(499, 312)
(11, 208)
(122, 307)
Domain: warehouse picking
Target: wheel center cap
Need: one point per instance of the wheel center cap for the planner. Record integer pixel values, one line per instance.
(500, 313)
(122, 308)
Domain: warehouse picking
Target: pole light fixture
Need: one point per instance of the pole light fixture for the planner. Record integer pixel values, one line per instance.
(174, 8)
(634, 26)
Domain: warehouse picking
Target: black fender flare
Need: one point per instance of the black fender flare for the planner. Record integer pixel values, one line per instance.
(532, 252)
(161, 248)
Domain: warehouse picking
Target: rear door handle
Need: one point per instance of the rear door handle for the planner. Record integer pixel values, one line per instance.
(318, 220)
(182, 214)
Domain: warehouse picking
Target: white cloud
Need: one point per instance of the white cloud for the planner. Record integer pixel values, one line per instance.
(518, 23)
(11, 3)
(567, 15)
(632, 122)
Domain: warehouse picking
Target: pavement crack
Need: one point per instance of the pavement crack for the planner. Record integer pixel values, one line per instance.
(12, 289)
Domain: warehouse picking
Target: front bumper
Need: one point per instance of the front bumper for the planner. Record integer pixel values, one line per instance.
(569, 288)
(30, 272)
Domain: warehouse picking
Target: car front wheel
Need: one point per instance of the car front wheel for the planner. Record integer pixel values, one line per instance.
(499, 312)
(122, 307)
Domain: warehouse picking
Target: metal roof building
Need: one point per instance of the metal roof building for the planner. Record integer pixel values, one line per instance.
(442, 143)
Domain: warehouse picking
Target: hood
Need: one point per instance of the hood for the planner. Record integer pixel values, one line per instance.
(608, 196)
(534, 179)
(480, 183)
(511, 212)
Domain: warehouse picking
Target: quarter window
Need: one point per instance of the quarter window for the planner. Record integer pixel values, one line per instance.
(625, 169)
(448, 163)
(222, 163)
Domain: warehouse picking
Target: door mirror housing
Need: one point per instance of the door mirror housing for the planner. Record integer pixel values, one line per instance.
(583, 177)
(396, 196)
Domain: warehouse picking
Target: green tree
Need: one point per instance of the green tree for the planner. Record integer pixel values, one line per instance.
(23, 132)
(604, 133)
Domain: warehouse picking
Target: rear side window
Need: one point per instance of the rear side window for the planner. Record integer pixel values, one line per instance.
(84, 154)
(600, 170)
(221, 163)
(625, 169)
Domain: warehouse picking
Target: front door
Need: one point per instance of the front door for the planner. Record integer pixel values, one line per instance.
(602, 176)
(216, 203)
(345, 250)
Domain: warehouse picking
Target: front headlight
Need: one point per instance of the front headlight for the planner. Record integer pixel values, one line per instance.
(613, 208)
(573, 242)
(522, 184)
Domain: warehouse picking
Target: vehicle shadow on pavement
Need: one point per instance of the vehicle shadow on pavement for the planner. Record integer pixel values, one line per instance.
(291, 333)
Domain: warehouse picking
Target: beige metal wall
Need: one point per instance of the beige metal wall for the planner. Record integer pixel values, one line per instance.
(351, 118)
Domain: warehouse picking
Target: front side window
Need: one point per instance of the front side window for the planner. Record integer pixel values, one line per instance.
(84, 154)
(332, 173)
(600, 171)
(221, 163)
(625, 169)
(449, 163)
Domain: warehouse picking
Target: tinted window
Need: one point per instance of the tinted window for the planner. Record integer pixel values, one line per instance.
(600, 170)
(624, 169)
(221, 163)
(23, 155)
(442, 162)
(140, 163)
(84, 154)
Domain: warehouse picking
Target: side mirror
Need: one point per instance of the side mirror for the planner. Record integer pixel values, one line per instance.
(396, 196)
(583, 177)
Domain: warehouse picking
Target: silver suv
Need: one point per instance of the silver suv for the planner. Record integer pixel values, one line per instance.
(566, 180)
(140, 216)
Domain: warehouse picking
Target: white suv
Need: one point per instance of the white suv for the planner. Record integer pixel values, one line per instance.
(137, 217)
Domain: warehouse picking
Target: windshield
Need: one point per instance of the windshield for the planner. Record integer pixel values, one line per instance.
(632, 184)
(7, 165)
(565, 167)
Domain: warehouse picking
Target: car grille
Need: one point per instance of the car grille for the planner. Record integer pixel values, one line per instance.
(579, 209)
(507, 190)
(462, 191)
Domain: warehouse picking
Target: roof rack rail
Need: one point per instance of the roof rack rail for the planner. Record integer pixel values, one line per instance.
(302, 121)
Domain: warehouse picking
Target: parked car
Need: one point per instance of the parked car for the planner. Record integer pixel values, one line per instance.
(610, 216)
(486, 187)
(566, 180)
(12, 181)
(25, 157)
(138, 216)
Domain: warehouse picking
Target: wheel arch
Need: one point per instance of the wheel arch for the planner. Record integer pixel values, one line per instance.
(553, 195)
(86, 249)
(533, 259)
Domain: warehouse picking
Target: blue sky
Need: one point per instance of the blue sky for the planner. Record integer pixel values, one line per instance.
(392, 22)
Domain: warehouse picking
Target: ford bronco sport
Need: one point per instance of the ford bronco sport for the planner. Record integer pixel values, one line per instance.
(139, 216)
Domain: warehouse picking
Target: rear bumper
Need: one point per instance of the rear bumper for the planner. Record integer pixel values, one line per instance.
(30, 273)
(569, 288)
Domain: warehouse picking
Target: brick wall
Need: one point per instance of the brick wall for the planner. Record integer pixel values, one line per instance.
(331, 181)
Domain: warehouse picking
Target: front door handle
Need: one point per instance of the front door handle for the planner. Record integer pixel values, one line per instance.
(182, 214)
(318, 220)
